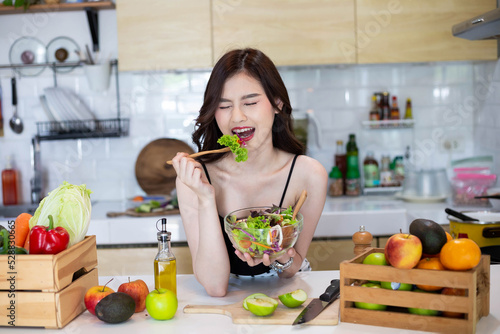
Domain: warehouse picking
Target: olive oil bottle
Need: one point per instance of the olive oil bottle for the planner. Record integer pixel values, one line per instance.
(165, 264)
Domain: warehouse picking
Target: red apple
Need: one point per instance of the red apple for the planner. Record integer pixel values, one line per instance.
(94, 296)
(138, 290)
(403, 251)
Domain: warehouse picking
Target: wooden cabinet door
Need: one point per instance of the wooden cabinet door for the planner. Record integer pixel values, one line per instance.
(394, 31)
(300, 32)
(160, 34)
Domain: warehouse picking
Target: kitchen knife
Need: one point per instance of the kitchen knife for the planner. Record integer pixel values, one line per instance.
(317, 305)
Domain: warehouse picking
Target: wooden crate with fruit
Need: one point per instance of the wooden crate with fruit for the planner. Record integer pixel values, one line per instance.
(437, 312)
(47, 290)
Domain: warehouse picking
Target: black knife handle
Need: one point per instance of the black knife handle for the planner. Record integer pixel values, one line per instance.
(14, 91)
(331, 291)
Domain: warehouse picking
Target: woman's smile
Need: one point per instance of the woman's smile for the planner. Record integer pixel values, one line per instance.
(244, 133)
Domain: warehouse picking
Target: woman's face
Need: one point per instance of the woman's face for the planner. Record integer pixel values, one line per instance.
(245, 110)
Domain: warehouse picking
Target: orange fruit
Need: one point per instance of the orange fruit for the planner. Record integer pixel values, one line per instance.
(453, 292)
(448, 236)
(432, 263)
(460, 254)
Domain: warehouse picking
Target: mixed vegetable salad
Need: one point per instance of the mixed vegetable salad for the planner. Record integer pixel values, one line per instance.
(268, 231)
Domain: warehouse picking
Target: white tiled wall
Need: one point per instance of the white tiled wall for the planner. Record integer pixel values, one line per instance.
(450, 101)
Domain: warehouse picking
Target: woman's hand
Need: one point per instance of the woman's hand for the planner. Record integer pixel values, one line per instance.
(266, 259)
(190, 172)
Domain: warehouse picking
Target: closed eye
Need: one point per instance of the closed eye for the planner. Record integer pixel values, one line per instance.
(224, 107)
(251, 104)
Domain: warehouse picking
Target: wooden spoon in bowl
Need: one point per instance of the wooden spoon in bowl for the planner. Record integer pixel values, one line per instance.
(301, 201)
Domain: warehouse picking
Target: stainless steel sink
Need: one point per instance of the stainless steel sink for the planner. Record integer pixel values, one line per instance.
(12, 211)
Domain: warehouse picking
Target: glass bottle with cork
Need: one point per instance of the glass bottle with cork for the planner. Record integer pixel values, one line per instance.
(353, 187)
(165, 269)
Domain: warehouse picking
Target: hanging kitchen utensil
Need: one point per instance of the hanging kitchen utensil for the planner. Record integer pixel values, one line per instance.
(153, 175)
(459, 215)
(16, 123)
(317, 305)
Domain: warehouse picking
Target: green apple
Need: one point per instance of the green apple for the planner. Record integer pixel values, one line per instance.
(422, 311)
(376, 259)
(253, 295)
(396, 286)
(161, 304)
(370, 306)
(262, 306)
(294, 298)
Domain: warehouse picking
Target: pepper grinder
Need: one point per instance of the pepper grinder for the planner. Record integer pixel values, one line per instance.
(362, 240)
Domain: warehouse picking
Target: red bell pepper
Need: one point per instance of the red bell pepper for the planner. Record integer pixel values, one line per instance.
(48, 240)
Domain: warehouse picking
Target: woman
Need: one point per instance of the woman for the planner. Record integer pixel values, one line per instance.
(245, 96)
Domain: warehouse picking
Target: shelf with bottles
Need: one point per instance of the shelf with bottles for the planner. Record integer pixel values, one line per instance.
(389, 124)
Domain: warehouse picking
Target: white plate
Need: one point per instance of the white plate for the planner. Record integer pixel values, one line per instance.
(419, 199)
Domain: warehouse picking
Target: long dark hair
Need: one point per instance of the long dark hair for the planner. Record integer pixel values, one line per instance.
(256, 64)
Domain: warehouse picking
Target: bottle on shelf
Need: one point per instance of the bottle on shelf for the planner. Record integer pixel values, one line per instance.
(384, 105)
(395, 109)
(341, 161)
(336, 182)
(353, 186)
(371, 172)
(386, 179)
(399, 170)
(165, 269)
(9, 184)
(375, 110)
(408, 111)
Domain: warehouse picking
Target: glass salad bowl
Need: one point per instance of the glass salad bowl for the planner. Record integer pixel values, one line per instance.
(263, 230)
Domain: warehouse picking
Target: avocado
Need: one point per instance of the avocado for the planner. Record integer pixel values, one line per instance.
(115, 308)
(430, 233)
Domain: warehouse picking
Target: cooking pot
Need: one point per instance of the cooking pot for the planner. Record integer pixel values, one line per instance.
(426, 184)
(485, 232)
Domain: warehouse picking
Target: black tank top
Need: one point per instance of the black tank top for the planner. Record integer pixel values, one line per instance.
(239, 267)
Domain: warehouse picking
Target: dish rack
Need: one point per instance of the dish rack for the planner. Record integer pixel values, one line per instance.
(80, 129)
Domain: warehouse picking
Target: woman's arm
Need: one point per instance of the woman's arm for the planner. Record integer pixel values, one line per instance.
(202, 226)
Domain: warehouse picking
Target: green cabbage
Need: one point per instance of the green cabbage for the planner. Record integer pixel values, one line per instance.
(70, 208)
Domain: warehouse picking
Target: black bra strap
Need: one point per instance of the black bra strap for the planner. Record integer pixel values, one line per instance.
(288, 180)
(206, 172)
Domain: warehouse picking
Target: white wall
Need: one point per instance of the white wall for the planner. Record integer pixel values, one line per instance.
(447, 104)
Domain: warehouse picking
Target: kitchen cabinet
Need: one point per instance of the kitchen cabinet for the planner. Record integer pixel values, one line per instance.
(157, 35)
(418, 31)
(289, 32)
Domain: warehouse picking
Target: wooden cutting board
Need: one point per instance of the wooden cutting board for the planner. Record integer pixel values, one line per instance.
(282, 316)
(133, 213)
(151, 170)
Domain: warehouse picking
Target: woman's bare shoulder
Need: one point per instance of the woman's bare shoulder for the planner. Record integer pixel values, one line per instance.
(311, 168)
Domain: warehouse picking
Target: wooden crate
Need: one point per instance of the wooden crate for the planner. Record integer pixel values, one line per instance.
(47, 290)
(48, 272)
(474, 305)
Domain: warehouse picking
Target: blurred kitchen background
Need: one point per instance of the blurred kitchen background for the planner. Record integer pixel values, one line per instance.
(453, 101)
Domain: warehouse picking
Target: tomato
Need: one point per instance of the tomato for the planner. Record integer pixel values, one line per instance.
(245, 243)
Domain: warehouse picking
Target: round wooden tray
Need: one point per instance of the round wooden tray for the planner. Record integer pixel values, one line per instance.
(151, 170)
